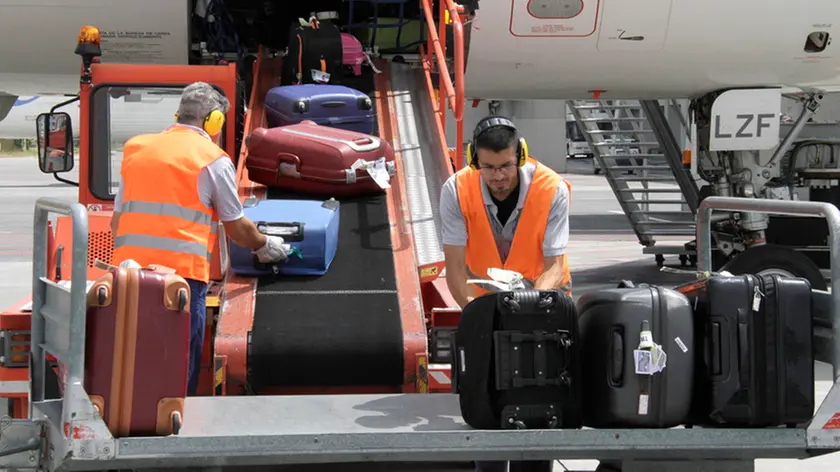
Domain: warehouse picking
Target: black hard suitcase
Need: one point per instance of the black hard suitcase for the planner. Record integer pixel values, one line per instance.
(317, 47)
(757, 365)
(516, 362)
(611, 326)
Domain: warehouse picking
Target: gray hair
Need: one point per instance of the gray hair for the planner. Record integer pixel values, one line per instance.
(198, 100)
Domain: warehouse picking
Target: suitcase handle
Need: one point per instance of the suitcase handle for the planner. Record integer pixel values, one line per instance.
(743, 348)
(285, 157)
(364, 144)
(289, 231)
(616, 374)
(333, 104)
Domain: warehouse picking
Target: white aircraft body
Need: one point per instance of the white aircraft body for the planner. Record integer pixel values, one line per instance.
(20, 121)
(517, 49)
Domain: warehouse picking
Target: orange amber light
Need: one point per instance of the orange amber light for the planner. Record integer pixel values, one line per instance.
(89, 35)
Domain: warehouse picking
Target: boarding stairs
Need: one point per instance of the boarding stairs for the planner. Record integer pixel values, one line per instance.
(633, 145)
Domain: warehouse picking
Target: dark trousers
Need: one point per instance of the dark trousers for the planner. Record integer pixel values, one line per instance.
(198, 321)
(515, 466)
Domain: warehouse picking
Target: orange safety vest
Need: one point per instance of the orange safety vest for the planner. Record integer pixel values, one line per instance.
(163, 220)
(526, 251)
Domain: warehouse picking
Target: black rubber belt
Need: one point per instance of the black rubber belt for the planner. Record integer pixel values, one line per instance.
(340, 329)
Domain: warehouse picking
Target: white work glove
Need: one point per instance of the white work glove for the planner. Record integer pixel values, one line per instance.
(273, 251)
(129, 264)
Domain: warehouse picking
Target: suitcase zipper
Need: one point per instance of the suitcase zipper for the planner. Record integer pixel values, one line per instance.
(660, 330)
(772, 287)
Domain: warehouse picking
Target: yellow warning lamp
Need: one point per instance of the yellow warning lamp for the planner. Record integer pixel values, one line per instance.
(89, 35)
(88, 48)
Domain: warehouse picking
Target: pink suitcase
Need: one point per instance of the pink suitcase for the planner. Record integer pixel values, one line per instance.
(353, 53)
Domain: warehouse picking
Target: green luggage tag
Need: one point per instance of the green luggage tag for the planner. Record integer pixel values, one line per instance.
(295, 252)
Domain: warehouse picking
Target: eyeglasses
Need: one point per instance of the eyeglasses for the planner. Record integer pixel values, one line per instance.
(501, 168)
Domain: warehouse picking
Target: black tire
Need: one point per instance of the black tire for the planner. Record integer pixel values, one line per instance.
(176, 423)
(769, 256)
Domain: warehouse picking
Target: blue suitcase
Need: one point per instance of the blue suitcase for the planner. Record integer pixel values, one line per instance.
(310, 226)
(327, 105)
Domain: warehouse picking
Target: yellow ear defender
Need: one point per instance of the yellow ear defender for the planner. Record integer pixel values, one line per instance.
(485, 125)
(213, 123)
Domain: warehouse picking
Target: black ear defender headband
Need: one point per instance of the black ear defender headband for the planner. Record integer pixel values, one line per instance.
(487, 124)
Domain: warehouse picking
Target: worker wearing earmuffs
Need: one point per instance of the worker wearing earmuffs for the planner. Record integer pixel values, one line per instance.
(505, 210)
(175, 187)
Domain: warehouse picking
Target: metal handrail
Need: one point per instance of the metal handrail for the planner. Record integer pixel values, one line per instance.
(780, 207)
(75, 356)
(451, 93)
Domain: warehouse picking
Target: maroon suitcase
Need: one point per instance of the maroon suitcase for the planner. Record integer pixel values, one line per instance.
(137, 350)
(319, 160)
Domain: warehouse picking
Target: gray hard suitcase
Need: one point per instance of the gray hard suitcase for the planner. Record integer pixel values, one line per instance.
(611, 325)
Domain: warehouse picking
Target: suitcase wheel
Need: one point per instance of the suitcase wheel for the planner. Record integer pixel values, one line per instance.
(182, 299)
(176, 422)
(102, 295)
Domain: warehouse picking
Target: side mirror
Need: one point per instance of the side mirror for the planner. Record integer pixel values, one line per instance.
(55, 142)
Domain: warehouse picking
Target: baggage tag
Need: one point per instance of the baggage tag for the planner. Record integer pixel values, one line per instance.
(376, 169)
(320, 77)
(757, 296)
(649, 362)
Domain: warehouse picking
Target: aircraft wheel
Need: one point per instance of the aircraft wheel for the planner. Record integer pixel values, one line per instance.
(772, 259)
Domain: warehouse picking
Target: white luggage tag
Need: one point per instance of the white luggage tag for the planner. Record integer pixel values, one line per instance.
(501, 280)
(377, 170)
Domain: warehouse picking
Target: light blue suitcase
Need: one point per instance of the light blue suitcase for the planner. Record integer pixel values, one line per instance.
(309, 226)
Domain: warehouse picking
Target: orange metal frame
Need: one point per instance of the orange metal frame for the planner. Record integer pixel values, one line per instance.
(438, 302)
(449, 94)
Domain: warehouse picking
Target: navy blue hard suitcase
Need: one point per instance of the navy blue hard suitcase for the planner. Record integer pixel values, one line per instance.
(335, 106)
(309, 226)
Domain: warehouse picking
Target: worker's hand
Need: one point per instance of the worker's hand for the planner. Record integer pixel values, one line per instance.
(273, 251)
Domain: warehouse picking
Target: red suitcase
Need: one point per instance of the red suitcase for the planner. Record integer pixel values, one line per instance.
(319, 160)
(137, 350)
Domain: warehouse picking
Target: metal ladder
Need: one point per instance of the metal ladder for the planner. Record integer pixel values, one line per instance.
(632, 144)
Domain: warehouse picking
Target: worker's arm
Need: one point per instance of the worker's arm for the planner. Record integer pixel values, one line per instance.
(554, 243)
(217, 188)
(115, 218)
(552, 275)
(456, 274)
(454, 236)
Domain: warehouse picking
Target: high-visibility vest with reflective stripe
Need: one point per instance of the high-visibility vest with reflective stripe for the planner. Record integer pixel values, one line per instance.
(163, 220)
(526, 251)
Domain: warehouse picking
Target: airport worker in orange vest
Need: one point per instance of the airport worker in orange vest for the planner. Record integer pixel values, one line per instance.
(507, 211)
(175, 187)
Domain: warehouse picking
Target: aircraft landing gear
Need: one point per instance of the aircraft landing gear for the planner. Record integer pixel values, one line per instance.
(771, 259)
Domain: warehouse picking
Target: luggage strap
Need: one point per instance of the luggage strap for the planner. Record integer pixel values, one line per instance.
(509, 346)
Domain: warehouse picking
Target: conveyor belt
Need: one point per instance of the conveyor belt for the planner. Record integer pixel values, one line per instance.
(341, 329)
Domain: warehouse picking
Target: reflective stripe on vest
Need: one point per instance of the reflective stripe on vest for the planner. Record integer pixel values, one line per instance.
(167, 209)
(163, 220)
(526, 251)
(162, 243)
